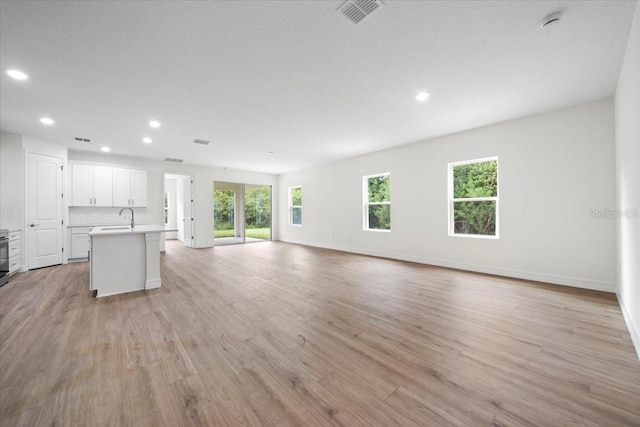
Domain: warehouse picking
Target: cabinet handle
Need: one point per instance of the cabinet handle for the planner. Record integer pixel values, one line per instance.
(33, 225)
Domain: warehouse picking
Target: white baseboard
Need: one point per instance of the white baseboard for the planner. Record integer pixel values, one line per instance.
(153, 283)
(555, 279)
(634, 331)
(203, 246)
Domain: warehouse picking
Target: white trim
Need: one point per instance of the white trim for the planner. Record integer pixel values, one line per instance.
(152, 283)
(576, 282)
(634, 331)
(203, 246)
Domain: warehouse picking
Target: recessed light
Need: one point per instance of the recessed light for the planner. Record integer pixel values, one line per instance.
(154, 124)
(47, 121)
(106, 149)
(270, 153)
(17, 74)
(422, 96)
(147, 140)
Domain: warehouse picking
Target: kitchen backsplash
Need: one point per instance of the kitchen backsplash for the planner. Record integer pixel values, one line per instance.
(104, 216)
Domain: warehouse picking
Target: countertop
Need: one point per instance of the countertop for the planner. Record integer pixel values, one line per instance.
(123, 229)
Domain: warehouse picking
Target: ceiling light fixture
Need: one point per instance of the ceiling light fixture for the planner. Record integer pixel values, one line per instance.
(47, 121)
(17, 74)
(106, 149)
(422, 96)
(270, 153)
(147, 140)
(154, 124)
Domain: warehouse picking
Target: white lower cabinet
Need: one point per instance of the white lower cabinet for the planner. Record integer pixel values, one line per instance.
(15, 251)
(80, 243)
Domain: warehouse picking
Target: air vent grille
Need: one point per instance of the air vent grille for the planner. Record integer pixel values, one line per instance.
(172, 160)
(82, 139)
(356, 10)
(200, 141)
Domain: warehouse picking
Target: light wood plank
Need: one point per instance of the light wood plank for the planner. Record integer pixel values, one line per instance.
(274, 334)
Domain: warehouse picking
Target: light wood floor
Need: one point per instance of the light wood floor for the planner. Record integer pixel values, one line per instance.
(277, 334)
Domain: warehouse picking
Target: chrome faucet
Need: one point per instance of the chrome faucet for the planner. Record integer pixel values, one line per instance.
(133, 224)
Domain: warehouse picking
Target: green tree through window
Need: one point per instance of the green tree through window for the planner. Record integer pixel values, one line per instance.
(378, 202)
(474, 201)
(296, 205)
(224, 215)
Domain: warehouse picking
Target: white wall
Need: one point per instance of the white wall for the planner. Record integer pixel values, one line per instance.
(14, 151)
(203, 187)
(11, 182)
(627, 109)
(554, 169)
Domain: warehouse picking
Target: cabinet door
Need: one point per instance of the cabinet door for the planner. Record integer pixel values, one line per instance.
(139, 188)
(121, 187)
(81, 185)
(102, 186)
(79, 245)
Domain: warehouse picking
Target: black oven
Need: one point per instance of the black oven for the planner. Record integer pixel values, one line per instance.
(4, 256)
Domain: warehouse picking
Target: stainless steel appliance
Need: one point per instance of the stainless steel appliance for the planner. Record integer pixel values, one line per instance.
(4, 256)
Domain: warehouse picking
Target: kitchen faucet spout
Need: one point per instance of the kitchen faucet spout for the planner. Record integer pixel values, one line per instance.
(133, 224)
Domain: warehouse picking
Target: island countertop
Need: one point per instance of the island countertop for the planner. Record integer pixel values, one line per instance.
(125, 229)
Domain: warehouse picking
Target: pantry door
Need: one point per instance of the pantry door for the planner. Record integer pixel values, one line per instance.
(44, 210)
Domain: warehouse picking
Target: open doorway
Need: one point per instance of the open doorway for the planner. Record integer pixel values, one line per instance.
(242, 213)
(178, 208)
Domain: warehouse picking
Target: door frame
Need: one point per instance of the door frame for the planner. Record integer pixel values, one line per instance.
(43, 149)
(183, 178)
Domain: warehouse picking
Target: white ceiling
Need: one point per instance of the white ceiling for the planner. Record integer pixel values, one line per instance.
(295, 77)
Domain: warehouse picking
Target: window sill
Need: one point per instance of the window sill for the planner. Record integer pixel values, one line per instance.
(475, 236)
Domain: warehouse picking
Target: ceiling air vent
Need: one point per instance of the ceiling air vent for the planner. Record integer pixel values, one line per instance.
(83, 140)
(200, 141)
(356, 10)
(172, 160)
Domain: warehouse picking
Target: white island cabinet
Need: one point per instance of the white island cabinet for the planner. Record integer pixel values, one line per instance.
(125, 259)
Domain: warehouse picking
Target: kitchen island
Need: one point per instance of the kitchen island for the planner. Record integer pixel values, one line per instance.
(125, 259)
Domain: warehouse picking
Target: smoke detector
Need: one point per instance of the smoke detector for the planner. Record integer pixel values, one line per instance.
(356, 10)
(551, 19)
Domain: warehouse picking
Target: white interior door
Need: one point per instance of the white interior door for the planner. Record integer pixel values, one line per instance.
(44, 210)
(188, 211)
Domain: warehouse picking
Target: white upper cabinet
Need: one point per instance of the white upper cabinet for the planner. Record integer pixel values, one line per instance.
(96, 185)
(91, 185)
(129, 187)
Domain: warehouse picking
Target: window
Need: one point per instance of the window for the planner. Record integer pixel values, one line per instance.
(295, 205)
(166, 207)
(377, 202)
(473, 198)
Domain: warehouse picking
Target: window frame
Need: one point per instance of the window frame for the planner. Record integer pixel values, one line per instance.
(451, 201)
(292, 206)
(367, 203)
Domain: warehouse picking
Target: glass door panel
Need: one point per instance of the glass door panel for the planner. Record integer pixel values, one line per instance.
(257, 210)
(224, 213)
